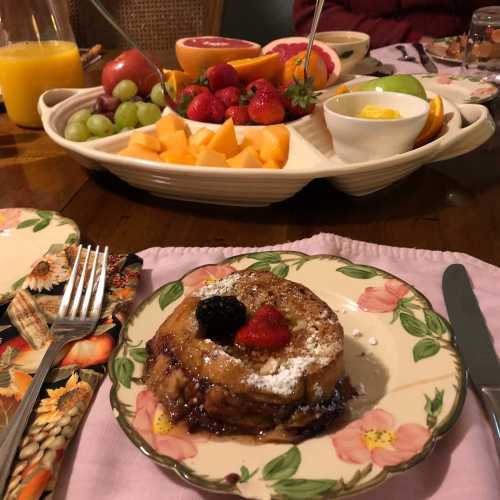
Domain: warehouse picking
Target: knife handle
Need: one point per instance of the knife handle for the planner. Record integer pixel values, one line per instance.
(491, 400)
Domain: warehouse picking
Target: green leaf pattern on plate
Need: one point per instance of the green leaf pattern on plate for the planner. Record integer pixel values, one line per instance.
(124, 369)
(433, 407)
(170, 293)
(37, 224)
(283, 466)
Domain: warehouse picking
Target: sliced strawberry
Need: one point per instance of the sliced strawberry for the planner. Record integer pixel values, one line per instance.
(267, 329)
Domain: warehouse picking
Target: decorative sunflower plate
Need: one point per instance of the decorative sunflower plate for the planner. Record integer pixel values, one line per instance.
(398, 353)
(26, 235)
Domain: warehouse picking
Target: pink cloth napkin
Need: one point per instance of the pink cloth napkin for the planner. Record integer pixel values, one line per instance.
(102, 463)
(390, 55)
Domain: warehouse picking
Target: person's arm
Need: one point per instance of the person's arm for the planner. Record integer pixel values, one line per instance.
(336, 17)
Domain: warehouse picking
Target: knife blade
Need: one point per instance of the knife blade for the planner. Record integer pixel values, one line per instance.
(474, 341)
(425, 60)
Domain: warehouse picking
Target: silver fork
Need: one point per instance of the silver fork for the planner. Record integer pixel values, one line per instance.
(405, 56)
(75, 320)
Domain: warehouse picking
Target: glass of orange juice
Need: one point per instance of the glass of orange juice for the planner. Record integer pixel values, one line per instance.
(38, 52)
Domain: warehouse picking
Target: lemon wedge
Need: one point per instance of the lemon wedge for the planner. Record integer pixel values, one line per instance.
(161, 422)
(374, 112)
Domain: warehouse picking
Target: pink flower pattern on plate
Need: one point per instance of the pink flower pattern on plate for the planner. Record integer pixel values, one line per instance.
(205, 275)
(172, 441)
(381, 300)
(443, 79)
(375, 438)
(9, 218)
(483, 92)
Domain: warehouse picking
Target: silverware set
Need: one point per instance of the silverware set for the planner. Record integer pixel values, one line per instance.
(424, 59)
(77, 317)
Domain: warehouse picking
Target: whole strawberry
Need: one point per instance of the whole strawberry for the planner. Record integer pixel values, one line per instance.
(187, 95)
(218, 110)
(220, 76)
(267, 329)
(266, 108)
(260, 86)
(200, 108)
(239, 114)
(299, 98)
(230, 96)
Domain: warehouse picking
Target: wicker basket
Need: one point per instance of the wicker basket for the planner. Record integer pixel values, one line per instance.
(153, 24)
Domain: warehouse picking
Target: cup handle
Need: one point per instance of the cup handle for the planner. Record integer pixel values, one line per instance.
(480, 128)
(50, 99)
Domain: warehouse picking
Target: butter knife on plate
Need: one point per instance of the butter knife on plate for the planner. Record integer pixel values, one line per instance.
(474, 342)
(425, 60)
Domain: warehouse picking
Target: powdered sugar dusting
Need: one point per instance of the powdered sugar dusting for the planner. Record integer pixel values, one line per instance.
(223, 286)
(285, 379)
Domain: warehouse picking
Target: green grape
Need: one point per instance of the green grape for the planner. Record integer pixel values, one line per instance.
(100, 125)
(157, 96)
(126, 115)
(76, 131)
(126, 129)
(148, 113)
(125, 90)
(80, 116)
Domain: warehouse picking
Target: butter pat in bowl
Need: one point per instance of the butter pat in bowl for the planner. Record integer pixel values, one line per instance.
(357, 139)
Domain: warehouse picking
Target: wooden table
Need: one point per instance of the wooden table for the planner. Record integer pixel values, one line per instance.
(453, 205)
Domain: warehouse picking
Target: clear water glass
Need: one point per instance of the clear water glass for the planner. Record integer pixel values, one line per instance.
(482, 52)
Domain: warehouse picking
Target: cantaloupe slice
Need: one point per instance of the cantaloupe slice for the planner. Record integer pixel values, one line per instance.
(224, 141)
(201, 137)
(252, 138)
(247, 158)
(275, 142)
(210, 158)
(145, 140)
(178, 155)
(177, 139)
(272, 164)
(170, 124)
(140, 152)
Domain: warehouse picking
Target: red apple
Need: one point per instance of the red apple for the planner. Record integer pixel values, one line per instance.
(129, 65)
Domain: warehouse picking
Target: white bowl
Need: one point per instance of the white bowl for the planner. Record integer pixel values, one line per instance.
(361, 139)
(350, 46)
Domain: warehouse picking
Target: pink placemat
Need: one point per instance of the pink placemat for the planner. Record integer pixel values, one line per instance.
(102, 463)
(390, 55)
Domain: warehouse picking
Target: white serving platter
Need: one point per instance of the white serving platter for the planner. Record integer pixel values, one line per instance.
(311, 156)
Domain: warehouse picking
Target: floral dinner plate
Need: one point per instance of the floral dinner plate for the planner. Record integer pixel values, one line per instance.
(398, 353)
(460, 89)
(26, 235)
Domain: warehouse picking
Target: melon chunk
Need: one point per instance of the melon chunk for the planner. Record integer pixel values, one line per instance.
(224, 141)
(170, 124)
(177, 139)
(140, 152)
(274, 143)
(252, 138)
(145, 140)
(201, 137)
(272, 164)
(178, 155)
(210, 158)
(247, 158)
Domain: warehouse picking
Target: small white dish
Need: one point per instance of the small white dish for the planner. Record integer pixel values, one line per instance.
(350, 46)
(375, 138)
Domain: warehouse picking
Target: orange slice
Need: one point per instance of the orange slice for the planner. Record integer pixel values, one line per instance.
(267, 67)
(434, 122)
(176, 81)
(342, 89)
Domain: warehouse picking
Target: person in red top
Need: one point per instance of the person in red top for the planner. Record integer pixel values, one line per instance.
(390, 21)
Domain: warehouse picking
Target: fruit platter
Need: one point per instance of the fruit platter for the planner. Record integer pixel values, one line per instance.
(246, 125)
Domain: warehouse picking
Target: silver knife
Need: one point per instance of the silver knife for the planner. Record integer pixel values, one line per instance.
(425, 60)
(474, 342)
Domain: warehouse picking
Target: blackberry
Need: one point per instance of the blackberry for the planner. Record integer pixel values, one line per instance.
(220, 317)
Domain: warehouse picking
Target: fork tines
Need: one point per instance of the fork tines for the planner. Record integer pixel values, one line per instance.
(94, 289)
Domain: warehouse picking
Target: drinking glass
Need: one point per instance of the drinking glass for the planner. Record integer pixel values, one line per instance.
(37, 53)
(482, 52)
